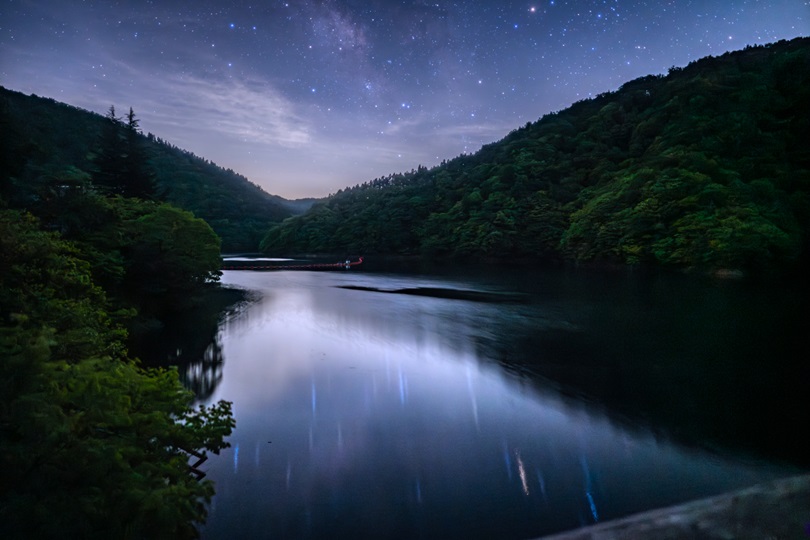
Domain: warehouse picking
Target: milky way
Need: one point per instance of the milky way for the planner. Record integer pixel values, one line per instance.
(306, 97)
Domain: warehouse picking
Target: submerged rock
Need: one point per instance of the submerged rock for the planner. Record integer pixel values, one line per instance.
(453, 294)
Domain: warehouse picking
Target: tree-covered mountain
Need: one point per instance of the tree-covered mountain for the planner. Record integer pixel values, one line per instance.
(707, 167)
(297, 206)
(93, 445)
(44, 141)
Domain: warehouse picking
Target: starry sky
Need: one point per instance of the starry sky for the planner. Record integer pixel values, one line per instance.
(305, 97)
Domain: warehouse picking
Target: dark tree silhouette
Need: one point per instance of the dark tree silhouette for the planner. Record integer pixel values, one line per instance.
(121, 162)
(138, 179)
(108, 160)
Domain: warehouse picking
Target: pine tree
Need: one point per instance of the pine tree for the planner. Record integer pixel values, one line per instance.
(121, 167)
(108, 174)
(138, 180)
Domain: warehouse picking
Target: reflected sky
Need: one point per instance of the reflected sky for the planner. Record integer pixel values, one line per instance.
(370, 415)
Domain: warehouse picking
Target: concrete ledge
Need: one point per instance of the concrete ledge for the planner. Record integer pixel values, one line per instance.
(774, 510)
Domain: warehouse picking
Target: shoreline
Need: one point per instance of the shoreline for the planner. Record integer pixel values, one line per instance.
(774, 510)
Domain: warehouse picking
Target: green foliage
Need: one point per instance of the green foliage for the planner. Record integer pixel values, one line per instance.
(91, 445)
(42, 136)
(170, 253)
(704, 168)
(239, 211)
(144, 254)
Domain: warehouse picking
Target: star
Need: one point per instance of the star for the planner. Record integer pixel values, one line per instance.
(318, 77)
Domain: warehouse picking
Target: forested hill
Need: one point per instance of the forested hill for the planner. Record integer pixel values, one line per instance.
(45, 141)
(707, 167)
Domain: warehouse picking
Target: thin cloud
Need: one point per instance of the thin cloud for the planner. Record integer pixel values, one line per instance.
(246, 111)
(487, 132)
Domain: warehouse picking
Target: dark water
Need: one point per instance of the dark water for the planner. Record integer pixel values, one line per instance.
(545, 401)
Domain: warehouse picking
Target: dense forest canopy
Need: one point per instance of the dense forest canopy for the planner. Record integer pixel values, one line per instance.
(706, 167)
(43, 139)
(92, 445)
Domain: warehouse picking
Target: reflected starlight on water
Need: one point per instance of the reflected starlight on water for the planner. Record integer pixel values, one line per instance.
(507, 460)
(542, 483)
(522, 472)
(314, 397)
(592, 504)
(473, 399)
(398, 423)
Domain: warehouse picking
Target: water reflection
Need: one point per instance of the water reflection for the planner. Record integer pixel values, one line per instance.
(190, 340)
(367, 415)
(203, 375)
(197, 354)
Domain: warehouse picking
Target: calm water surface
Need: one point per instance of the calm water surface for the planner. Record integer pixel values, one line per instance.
(362, 414)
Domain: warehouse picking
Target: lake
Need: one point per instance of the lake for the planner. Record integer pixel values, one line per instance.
(405, 402)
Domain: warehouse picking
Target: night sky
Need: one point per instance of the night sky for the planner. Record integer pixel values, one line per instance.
(306, 97)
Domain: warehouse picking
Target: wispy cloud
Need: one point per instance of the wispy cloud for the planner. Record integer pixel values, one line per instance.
(250, 111)
(406, 125)
(240, 109)
(486, 132)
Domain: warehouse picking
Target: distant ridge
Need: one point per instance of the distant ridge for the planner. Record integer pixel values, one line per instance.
(705, 168)
(42, 135)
